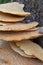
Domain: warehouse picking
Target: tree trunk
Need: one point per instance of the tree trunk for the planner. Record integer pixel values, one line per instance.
(35, 7)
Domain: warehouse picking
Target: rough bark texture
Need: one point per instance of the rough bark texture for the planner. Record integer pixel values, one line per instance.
(35, 7)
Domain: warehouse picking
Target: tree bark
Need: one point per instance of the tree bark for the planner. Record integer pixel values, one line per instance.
(35, 7)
